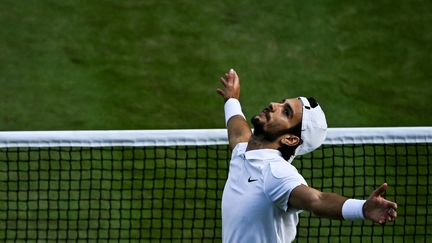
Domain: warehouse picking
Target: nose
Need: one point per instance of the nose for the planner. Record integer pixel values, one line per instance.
(273, 106)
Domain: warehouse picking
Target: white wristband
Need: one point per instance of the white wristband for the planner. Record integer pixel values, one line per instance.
(352, 209)
(232, 108)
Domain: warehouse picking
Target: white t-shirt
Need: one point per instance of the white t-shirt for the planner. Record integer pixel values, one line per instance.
(255, 197)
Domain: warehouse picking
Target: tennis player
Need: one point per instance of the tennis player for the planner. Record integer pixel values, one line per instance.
(264, 193)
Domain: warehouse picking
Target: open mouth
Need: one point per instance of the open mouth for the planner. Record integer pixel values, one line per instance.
(266, 113)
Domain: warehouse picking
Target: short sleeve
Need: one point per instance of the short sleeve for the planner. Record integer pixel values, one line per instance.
(238, 150)
(281, 180)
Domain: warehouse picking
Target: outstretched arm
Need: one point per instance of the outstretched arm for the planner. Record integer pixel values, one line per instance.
(332, 205)
(238, 129)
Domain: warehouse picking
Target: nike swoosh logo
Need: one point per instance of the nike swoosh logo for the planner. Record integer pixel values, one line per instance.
(251, 180)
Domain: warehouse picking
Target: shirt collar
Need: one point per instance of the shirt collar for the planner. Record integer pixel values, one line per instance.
(262, 154)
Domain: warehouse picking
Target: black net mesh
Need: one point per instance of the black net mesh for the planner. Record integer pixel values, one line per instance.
(174, 193)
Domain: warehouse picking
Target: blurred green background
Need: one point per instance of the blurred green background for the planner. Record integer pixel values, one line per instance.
(156, 64)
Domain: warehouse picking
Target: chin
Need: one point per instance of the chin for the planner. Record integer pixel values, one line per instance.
(255, 121)
(258, 125)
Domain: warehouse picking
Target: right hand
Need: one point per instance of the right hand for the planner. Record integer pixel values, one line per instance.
(231, 83)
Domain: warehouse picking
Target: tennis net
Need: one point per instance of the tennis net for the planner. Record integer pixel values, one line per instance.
(166, 185)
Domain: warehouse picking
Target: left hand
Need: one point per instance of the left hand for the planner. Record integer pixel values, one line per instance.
(378, 209)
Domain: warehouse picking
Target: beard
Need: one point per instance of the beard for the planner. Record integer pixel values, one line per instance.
(258, 127)
(259, 130)
(271, 136)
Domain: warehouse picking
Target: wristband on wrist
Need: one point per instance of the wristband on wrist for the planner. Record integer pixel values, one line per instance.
(232, 108)
(352, 209)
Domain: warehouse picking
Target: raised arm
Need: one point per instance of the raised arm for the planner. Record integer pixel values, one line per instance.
(332, 205)
(238, 128)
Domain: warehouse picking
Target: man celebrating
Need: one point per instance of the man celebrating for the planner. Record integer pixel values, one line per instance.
(264, 193)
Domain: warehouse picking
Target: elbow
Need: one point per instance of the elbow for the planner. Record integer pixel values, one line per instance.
(318, 206)
(314, 204)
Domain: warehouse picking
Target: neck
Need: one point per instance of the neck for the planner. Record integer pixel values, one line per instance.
(259, 142)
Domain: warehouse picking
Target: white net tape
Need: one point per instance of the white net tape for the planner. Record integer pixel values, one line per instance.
(382, 135)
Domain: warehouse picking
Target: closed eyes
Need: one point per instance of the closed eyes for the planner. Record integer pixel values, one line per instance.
(288, 110)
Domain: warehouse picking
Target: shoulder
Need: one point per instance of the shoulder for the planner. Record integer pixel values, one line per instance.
(282, 175)
(281, 179)
(280, 168)
(239, 149)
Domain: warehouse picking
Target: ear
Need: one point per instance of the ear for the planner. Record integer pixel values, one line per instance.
(290, 140)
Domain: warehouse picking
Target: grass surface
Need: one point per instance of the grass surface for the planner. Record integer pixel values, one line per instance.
(156, 64)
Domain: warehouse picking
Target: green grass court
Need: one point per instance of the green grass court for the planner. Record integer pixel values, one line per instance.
(156, 64)
(82, 65)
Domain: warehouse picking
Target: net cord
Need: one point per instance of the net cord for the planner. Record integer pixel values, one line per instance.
(188, 137)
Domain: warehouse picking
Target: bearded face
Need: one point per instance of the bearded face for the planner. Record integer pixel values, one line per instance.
(277, 119)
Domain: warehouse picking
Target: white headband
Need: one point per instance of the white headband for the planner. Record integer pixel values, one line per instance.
(314, 127)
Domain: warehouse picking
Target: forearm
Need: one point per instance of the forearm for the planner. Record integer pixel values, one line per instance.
(238, 131)
(238, 128)
(328, 205)
(334, 206)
